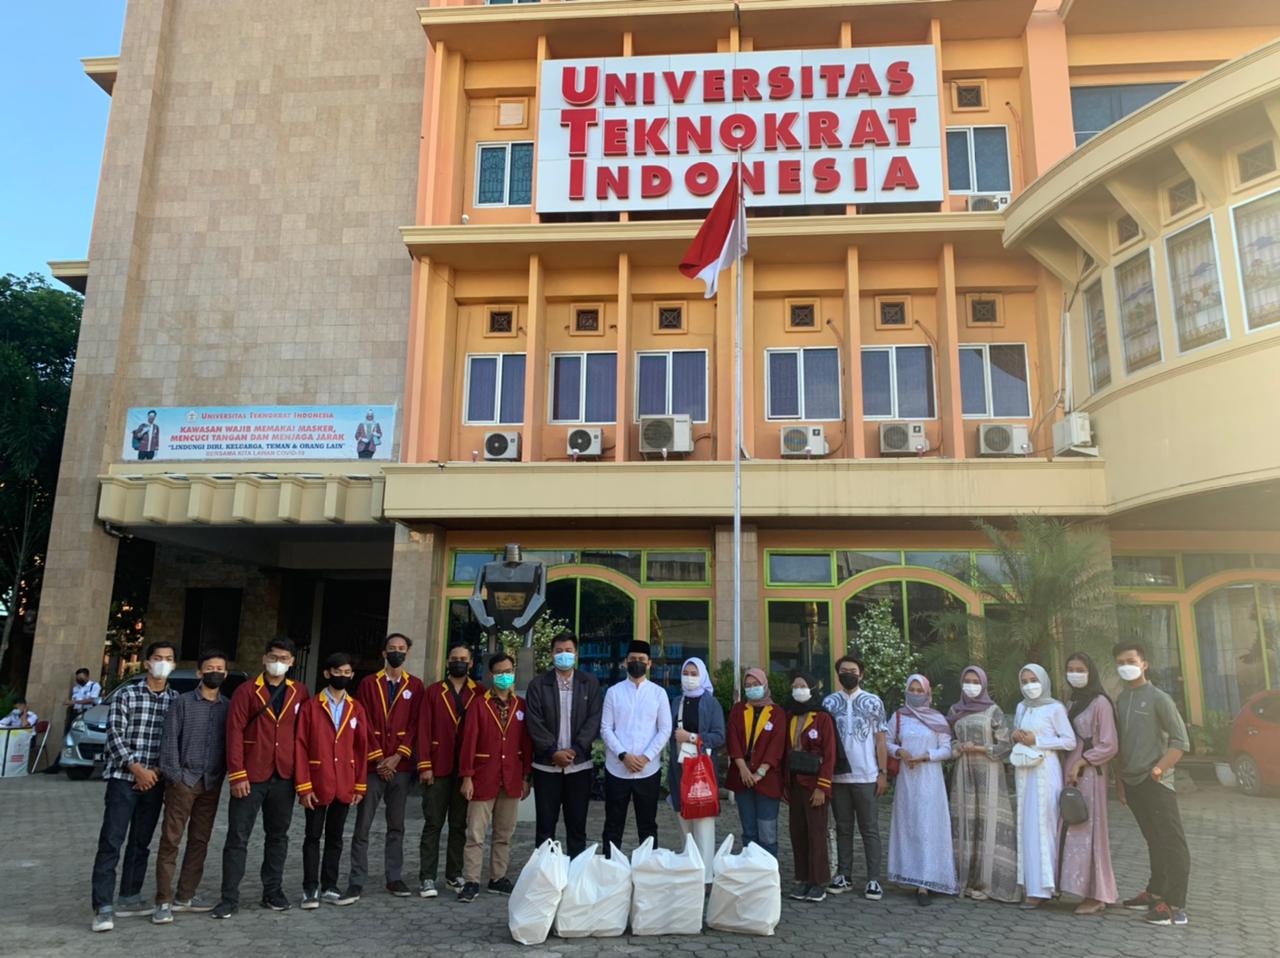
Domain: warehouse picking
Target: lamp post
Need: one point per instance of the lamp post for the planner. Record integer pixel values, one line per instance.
(510, 595)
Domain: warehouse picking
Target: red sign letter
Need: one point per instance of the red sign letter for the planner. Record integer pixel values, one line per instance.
(900, 175)
(590, 88)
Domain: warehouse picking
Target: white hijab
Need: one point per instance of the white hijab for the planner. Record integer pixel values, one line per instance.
(703, 677)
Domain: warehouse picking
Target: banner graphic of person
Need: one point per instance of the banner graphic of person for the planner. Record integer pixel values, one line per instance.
(368, 436)
(146, 438)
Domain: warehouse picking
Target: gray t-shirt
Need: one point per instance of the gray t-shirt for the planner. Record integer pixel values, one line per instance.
(1149, 725)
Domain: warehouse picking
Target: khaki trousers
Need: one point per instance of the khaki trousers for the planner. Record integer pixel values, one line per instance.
(501, 812)
(190, 810)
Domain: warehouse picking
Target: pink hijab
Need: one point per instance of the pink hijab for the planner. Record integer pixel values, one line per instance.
(759, 676)
(930, 717)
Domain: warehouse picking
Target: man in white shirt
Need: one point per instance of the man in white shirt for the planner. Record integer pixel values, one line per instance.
(20, 717)
(635, 726)
(85, 694)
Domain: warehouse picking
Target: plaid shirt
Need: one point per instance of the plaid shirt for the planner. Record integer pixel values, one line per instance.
(135, 726)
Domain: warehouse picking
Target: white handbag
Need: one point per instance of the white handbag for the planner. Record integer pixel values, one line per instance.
(1024, 756)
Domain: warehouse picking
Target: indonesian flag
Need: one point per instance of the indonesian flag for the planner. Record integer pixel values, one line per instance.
(721, 239)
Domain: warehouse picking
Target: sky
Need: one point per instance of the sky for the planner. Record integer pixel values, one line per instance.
(55, 124)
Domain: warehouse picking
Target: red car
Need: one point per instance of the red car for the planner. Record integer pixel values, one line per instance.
(1255, 743)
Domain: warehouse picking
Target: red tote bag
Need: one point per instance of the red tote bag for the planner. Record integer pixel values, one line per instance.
(699, 790)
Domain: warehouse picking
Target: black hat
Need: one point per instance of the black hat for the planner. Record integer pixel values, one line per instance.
(638, 645)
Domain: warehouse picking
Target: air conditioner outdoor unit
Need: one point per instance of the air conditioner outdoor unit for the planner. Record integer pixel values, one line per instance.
(501, 445)
(988, 202)
(1004, 439)
(903, 439)
(804, 441)
(1073, 436)
(586, 441)
(666, 434)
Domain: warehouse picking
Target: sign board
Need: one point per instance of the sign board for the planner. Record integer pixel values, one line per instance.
(814, 126)
(195, 433)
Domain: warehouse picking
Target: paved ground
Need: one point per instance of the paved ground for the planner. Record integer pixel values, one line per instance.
(51, 826)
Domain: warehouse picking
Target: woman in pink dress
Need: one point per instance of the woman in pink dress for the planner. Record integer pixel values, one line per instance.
(1085, 866)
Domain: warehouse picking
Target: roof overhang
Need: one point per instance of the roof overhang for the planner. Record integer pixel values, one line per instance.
(1109, 16)
(71, 272)
(102, 71)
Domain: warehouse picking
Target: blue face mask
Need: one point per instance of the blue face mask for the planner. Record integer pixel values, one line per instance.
(504, 681)
(564, 660)
(754, 693)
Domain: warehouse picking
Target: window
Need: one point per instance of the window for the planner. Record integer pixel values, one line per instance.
(1156, 627)
(1258, 252)
(1256, 162)
(978, 159)
(893, 312)
(1197, 294)
(993, 381)
(495, 389)
(504, 174)
(586, 321)
(584, 387)
(968, 95)
(1238, 647)
(799, 568)
(672, 383)
(495, 3)
(984, 309)
(850, 563)
(1145, 571)
(1201, 565)
(675, 566)
(1182, 196)
(897, 382)
(800, 638)
(211, 620)
(501, 322)
(1095, 328)
(1127, 230)
(625, 561)
(803, 316)
(925, 615)
(1138, 330)
(679, 629)
(803, 383)
(668, 317)
(1094, 108)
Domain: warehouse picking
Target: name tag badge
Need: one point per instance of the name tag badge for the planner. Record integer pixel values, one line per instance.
(813, 734)
(296, 707)
(768, 726)
(408, 694)
(353, 723)
(519, 715)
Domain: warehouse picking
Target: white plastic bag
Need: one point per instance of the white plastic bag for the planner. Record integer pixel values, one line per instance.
(597, 900)
(746, 895)
(534, 900)
(667, 890)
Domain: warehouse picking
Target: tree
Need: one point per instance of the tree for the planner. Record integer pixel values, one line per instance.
(39, 327)
(888, 660)
(544, 630)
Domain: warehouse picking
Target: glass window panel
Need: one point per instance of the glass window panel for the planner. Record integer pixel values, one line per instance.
(784, 385)
(511, 403)
(676, 566)
(653, 384)
(491, 175)
(800, 638)
(992, 568)
(1009, 393)
(1267, 560)
(925, 603)
(520, 188)
(602, 387)
(1197, 296)
(1258, 252)
(679, 629)
(877, 393)
(626, 561)
(1095, 108)
(991, 159)
(1145, 571)
(463, 629)
(1201, 565)
(1096, 330)
(915, 381)
(689, 384)
(1141, 337)
(605, 623)
(973, 381)
(821, 384)
(1269, 606)
(800, 568)
(1156, 627)
(950, 562)
(566, 389)
(1231, 663)
(467, 565)
(482, 386)
(551, 557)
(959, 177)
(850, 563)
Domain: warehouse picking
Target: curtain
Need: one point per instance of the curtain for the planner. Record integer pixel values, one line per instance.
(1258, 239)
(784, 385)
(821, 384)
(1009, 394)
(566, 393)
(482, 382)
(1138, 313)
(652, 382)
(877, 390)
(1096, 331)
(973, 381)
(689, 384)
(1197, 297)
(602, 388)
(511, 401)
(914, 367)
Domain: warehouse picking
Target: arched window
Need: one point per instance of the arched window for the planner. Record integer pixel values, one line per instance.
(916, 606)
(1238, 635)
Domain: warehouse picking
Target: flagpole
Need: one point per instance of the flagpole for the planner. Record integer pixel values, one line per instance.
(737, 447)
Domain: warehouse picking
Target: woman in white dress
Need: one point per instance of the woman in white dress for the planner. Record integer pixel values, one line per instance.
(1041, 728)
(920, 854)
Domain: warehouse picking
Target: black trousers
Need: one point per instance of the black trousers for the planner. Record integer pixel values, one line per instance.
(274, 798)
(327, 821)
(618, 794)
(553, 791)
(127, 815)
(1156, 809)
(442, 802)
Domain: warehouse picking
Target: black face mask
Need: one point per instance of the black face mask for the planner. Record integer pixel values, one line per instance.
(80, 681)
(849, 680)
(395, 659)
(339, 682)
(459, 669)
(211, 680)
(636, 668)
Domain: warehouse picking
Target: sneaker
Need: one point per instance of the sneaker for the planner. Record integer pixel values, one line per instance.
(500, 887)
(104, 919)
(1162, 914)
(275, 901)
(1144, 901)
(223, 909)
(399, 889)
(798, 893)
(470, 890)
(194, 904)
(427, 888)
(455, 883)
(331, 896)
(815, 893)
(132, 907)
(350, 896)
(163, 915)
(839, 885)
(873, 891)
(310, 900)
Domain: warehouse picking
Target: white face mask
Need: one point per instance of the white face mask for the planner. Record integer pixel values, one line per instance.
(801, 694)
(277, 669)
(691, 683)
(971, 689)
(1129, 672)
(1032, 690)
(159, 668)
(1077, 680)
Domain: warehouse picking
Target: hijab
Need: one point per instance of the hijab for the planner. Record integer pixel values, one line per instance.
(759, 676)
(815, 700)
(926, 714)
(1043, 677)
(702, 676)
(1082, 698)
(967, 706)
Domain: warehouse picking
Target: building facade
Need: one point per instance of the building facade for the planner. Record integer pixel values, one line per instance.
(979, 216)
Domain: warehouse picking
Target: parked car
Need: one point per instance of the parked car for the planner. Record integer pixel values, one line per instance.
(1254, 747)
(83, 744)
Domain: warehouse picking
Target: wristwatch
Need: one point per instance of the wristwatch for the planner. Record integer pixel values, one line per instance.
(622, 756)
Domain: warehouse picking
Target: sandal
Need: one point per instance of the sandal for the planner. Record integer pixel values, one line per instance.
(1095, 909)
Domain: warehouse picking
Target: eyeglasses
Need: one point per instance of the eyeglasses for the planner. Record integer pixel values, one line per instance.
(286, 658)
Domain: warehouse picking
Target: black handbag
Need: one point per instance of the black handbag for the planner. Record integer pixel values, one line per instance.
(1072, 806)
(804, 763)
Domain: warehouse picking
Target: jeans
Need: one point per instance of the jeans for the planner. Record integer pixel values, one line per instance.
(395, 793)
(1155, 807)
(759, 815)
(442, 801)
(132, 815)
(856, 804)
(555, 790)
(326, 821)
(621, 792)
(274, 798)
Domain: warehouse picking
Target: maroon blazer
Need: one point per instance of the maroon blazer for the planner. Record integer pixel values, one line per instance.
(393, 726)
(438, 725)
(329, 762)
(766, 744)
(496, 757)
(813, 732)
(260, 742)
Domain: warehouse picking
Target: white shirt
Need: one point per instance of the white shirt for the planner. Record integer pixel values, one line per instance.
(84, 696)
(14, 720)
(637, 721)
(859, 717)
